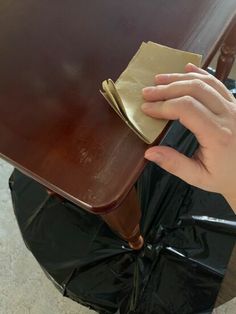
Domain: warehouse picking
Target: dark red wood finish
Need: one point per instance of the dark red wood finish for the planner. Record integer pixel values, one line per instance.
(227, 55)
(54, 124)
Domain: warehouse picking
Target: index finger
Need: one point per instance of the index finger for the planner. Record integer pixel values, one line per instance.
(165, 79)
(190, 112)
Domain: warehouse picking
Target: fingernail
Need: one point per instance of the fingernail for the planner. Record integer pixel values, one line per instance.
(156, 157)
(192, 65)
(145, 106)
(148, 90)
(162, 77)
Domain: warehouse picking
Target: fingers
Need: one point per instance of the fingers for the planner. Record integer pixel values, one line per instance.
(190, 67)
(202, 105)
(195, 88)
(177, 164)
(191, 113)
(211, 80)
(194, 73)
(208, 79)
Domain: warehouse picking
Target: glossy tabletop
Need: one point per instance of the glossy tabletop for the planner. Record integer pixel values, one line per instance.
(54, 124)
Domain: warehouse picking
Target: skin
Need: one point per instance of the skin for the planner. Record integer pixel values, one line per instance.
(203, 105)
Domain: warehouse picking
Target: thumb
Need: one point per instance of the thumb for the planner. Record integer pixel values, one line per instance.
(177, 164)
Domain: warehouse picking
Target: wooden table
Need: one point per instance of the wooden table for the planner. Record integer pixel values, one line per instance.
(228, 52)
(54, 124)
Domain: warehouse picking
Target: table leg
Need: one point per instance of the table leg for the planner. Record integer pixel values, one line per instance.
(227, 56)
(125, 220)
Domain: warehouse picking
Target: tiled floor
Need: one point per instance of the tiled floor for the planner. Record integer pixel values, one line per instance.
(24, 289)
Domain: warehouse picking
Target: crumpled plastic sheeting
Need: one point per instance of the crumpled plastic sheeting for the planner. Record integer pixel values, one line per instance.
(189, 235)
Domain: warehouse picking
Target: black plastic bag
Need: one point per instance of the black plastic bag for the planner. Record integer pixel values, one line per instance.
(189, 235)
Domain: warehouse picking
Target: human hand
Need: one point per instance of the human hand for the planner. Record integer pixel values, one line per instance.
(203, 105)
